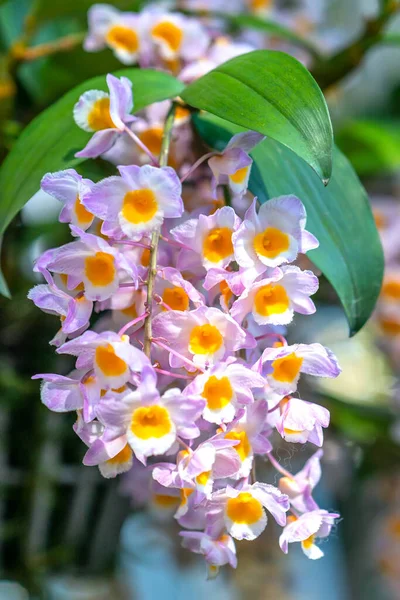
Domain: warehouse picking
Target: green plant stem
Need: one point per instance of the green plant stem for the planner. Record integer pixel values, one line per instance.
(333, 69)
(163, 160)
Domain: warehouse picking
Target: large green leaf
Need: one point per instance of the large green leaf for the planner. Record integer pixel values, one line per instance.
(270, 92)
(51, 140)
(350, 254)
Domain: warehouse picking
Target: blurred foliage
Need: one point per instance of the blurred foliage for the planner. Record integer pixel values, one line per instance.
(373, 147)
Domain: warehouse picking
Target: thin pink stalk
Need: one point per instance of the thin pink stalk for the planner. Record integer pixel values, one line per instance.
(132, 285)
(175, 243)
(273, 335)
(141, 145)
(130, 243)
(275, 407)
(197, 164)
(184, 444)
(278, 467)
(161, 302)
(174, 375)
(177, 354)
(132, 323)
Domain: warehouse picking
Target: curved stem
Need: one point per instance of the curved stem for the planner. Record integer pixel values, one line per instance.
(175, 243)
(174, 375)
(273, 335)
(197, 164)
(166, 141)
(141, 145)
(178, 355)
(278, 467)
(130, 243)
(132, 323)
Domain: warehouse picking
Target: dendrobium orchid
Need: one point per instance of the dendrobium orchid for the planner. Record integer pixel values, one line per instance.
(122, 32)
(151, 422)
(136, 202)
(202, 336)
(93, 262)
(274, 236)
(275, 299)
(305, 529)
(69, 188)
(241, 510)
(104, 114)
(174, 295)
(233, 165)
(225, 387)
(282, 366)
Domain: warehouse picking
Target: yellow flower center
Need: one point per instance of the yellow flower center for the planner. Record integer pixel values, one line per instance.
(394, 527)
(308, 542)
(165, 501)
(139, 206)
(380, 220)
(181, 113)
(169, 33)
(176, 298)
(185, 493)
(99, 116)
(152, 138)
(287, 368)
(217, 245)
(391, 289)
(108, 362)
(292, 431)
(244, 509)
(145, 258)
(150, 422)
(123, 456)
(243, 448)
(271, 242)
(390, 326)
(203, 477)
(100, 269)
(123, 37)
(130, 311)
(257, 5)
(217, 392)
(271, 300)
(83, 215)
(205, 339)
(226, 292)
(240, 175)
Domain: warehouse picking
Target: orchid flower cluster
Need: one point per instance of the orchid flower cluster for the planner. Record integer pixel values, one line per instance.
(186, 374)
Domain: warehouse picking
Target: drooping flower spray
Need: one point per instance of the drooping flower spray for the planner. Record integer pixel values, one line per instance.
(187, 373)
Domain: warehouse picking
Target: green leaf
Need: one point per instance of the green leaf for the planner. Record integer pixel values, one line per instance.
(272, 93)
(373, 147)
(350, 253)
(50, 141)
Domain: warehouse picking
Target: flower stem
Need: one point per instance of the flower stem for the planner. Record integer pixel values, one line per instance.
(178, 355)
(130, 243)
(175, 243)
(173, 375)
(132, 323)
(142, 146)
(197, 164)
(278, 467)
(166, 141)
